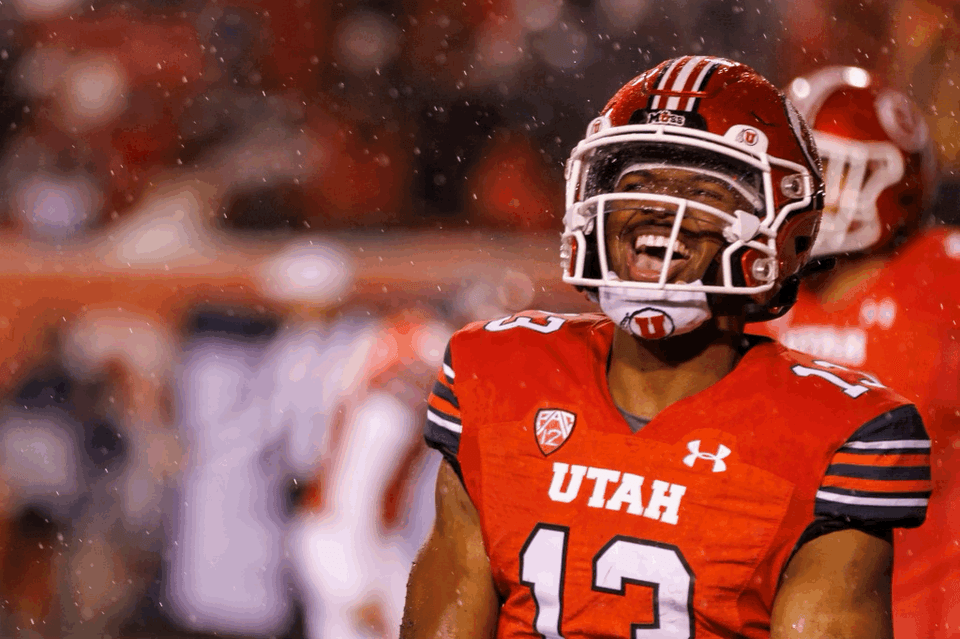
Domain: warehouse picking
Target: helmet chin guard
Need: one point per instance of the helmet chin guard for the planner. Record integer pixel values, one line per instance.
(654, 314)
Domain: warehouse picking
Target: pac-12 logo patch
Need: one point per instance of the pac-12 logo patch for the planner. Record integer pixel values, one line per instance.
(650, 323)
(552, 427)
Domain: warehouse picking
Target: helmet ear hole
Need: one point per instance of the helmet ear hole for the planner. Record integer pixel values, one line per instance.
(802, 243)
(751, 267)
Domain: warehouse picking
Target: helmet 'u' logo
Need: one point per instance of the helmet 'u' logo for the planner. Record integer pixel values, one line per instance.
(650, 323)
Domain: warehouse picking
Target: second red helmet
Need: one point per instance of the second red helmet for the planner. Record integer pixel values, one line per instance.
(879, 164)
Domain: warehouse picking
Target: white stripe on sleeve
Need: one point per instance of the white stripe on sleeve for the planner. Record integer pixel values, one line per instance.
(444, 423)
(919, 444)
(894, 502)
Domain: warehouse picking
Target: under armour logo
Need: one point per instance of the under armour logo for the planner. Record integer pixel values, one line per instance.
(718, 464)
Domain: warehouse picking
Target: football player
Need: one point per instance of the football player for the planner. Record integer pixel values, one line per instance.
(652, 471)
(890, 305)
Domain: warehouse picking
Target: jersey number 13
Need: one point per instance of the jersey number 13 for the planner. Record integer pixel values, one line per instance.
(620, 562)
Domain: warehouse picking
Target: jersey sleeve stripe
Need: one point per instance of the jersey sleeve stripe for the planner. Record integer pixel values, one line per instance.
(442, 391)
(885, 473)
(444, 440)
(886, 459)
(881, 474)
(880, 500)
(902, 444)
(448, 366)
(444, 400)
(446, 421)
(871, 486)
(906, 516)
(441, 407)
(909, 453)
(443, 427)
(902, 424)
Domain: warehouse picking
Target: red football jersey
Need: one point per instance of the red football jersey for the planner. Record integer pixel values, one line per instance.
(685, 526)
(902, 326)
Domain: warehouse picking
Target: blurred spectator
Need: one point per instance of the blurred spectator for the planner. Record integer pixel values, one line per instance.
(248, 439)
(365, 175)
(106, 91)
(267, 45)
(507, 188)
(366, 511)
(116, 538)
(43, 476)
(304, 404)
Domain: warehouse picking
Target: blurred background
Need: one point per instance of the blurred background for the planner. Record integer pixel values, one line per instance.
(235, 236)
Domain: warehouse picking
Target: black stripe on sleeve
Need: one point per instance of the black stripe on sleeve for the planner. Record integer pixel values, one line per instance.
(884, 451)
(892, 516)
(443, 439)
(445, 393)
(901, 423)
(443, 415)
(914, 494)
(883, 473)
(447, 358)
(893, 509)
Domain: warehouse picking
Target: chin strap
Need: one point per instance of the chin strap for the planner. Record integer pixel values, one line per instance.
(654, 314)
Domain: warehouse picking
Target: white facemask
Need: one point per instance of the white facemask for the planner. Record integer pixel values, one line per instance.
(654, 313)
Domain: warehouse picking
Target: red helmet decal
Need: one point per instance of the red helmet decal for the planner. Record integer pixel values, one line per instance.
(651, 323)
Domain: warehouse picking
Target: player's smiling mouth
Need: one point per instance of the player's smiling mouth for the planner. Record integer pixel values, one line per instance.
(646, 251)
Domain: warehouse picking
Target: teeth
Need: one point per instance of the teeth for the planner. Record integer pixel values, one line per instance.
(659, 240)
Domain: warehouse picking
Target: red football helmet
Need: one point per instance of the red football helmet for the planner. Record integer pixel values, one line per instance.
(712, 116)
(879, 160)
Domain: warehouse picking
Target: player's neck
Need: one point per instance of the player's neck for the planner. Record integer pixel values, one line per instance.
(846, 281)
(646, 376)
